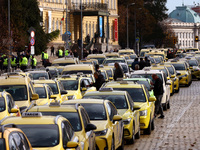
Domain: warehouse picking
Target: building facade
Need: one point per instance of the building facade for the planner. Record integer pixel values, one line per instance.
(95, 14)
(186, 25)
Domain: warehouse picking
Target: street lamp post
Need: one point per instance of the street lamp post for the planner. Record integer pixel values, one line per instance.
(107, 40)
(127, 24)
(67, 46)
(81, 30)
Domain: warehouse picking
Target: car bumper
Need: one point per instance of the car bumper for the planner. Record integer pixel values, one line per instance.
(183, 81)
(103, 142)
(144, 122)
(128, 134)
(196, 74)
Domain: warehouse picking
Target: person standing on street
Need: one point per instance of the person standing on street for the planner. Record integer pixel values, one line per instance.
(13, 62)
(60, 53)
(75, 53)
(66, 52)
(142, 63)
(52, 50)
(33, 62)
(118, 72)
(158, 92)
(99, 80)
(136, 62)
(24, 63)
(5, 63)
(147, 62)
(45, 57)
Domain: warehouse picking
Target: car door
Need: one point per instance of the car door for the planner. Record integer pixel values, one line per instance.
(90, 137)
(67, 133)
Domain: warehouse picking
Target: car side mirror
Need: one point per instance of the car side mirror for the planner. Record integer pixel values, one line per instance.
(136, 107)
(191, 67)
(83, 89)
(117, 118)
(168, 78)
(53, 96)
(71, 144)
(110, 78)
(2, 144)
(152, 99)
(63, 92)
(14, 110)
(178, 73)
(35, 96)
(90, 127)
(172, 76)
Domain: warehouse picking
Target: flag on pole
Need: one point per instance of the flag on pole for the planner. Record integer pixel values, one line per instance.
(62, 20)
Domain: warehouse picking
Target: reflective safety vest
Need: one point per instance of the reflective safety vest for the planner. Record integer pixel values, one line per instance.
(5, 62)
(24, 61)
(34, 60)
(46, 56)
(60, 52)
(13, 62)
(66, 52)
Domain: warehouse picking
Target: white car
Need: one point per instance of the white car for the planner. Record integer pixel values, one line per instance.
(147, 73)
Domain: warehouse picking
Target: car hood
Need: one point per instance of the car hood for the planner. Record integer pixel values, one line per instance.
(22, 103)
(141, 105)
(101, 124)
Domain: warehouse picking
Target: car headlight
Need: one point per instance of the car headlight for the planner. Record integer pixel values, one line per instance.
(70, 97)
(143, 113)
(100, 133)
(127, 121)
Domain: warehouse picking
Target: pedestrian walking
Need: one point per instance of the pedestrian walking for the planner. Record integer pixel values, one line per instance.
(88, 39)
(142, 63)
(23, 63)
(13, 62)
(75, 53)
(99, 80)
(118, 72)
(60, 53)
(147, 62)
(33, 62)
(158, 92)
(52, 50)
(136, 62)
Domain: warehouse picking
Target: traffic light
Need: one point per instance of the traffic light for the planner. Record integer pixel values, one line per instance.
(196, 39)
(174, 40)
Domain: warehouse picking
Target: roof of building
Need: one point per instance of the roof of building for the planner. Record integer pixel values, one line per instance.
(185, 14)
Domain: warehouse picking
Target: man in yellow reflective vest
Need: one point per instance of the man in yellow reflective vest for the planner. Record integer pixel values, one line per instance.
(5, 63)
(23, 63)
(13, 62)
(45, 59)
(66, 52)
(33, 62)
(60, 53)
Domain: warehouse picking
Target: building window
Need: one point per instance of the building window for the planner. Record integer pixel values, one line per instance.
(60, 28)
(86, 26)
(93, 30)
(90, 29)
(111, 6)
(53, 25)
(57, 25)
(183, 35)
(114, 4)
(180, 35)
(111, 33)
(189, 44)
(60, 1)
(186, 43)
(183, 43)
(46, 28)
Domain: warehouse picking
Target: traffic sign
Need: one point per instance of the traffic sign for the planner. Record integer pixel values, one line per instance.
(32, 34)
(32, 50)
(32, 41)
(68, 33)
(137, 39)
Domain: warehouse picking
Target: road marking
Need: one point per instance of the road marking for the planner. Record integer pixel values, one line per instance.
(169, 128)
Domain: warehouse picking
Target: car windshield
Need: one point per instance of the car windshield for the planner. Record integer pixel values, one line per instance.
(193, 63)
(2, 104)
(53, 73)
(165, 71)
(95, 111)
(73, 118)
(137, 94)
(179, 66)
(146, 83)
(76, 71)
(119, 101)
(70, 84)
(41, 135)
(149, 76)
(60, 70)
(158, 60)
(18, 92)
(125, 68)
(171, 70)
(100, 60)
(132, 56)
(114, 61)
(54, 87)
(109, 73)
(86, 62)
(142, 54)
(41, 92)
(36, 76)
(62, 64)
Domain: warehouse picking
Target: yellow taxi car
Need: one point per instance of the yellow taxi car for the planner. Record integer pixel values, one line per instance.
(157, 52)
(173, 76)
(45, 132)
(20, 87)
(141, 97)
(191, 50)
(99, 57)
(109, 71)
(194, 68)
(59, 68)
(126, 52)
(166, 71)
(143, 52)
(103, 114)
(7, 106)
(79, 68)
(44, 91)
(59, 93)
(113, 60)
(89, 61)
(111, 54)
(185, 75)
(76, 86)
(78, 118)
(65, 61)
(125, 106)
(13, 138)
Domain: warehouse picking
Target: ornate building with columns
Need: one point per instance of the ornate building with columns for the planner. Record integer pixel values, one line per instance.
(95, 14)
(186, 25)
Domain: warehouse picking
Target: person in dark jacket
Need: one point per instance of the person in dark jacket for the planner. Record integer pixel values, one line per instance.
(142, 64)
(158, 92)
(99, 80)
(134, 63)
(147, 62)
(118, 72)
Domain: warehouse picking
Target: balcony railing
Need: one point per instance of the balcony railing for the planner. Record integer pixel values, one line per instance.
(89, 6)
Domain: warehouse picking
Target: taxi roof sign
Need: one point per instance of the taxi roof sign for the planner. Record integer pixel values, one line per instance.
(31, 114)
(56, 103)
(106, 89)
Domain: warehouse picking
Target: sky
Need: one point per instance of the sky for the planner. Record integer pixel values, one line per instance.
(171, 4)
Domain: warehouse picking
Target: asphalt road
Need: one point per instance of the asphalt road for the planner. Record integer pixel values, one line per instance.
(180, 129)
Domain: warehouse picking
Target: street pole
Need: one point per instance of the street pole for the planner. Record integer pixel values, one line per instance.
(9, 37)
(81, 30)
(135, 35)
(67, 46)
(127, 38)
(107, 40)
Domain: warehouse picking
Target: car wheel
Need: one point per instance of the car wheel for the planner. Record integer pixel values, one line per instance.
(122, 143)
(137, 136)
(113, 144)
(148, 130)
(168, 105)
(177, 90)
(152, 125)
(132, 140)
